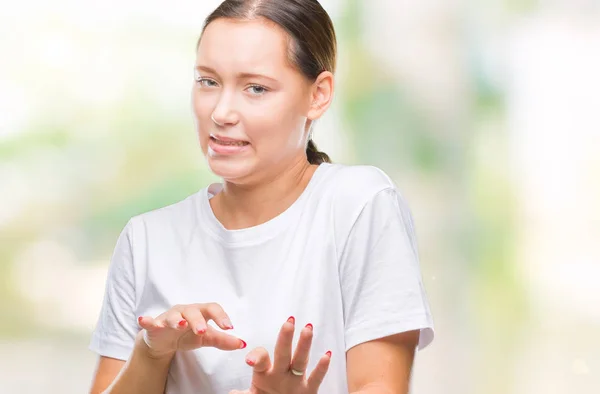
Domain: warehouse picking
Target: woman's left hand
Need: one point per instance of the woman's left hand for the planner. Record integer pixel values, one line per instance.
(287, 374)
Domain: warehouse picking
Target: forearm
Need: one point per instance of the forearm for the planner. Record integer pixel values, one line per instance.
(378, 389)
(142, 373)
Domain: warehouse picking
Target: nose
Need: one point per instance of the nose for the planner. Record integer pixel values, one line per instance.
(224, 113)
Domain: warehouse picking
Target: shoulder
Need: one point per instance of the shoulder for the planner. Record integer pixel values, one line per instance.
(366, 195)
(179, 214)
(356, 185)
(360, 176)
(353, 189)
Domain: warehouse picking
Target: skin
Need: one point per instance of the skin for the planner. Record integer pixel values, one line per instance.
(246, 89)
(273, 112)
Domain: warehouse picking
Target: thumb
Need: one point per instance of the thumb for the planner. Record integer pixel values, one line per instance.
(220, 340)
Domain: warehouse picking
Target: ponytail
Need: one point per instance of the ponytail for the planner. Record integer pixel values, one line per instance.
(314, 156)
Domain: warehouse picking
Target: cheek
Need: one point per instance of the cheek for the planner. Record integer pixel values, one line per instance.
(275, 125)
(202, 107)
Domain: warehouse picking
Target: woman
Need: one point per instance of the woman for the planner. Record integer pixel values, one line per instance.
(299, 255)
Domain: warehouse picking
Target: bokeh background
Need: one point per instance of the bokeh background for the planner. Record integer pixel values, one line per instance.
(485, 113)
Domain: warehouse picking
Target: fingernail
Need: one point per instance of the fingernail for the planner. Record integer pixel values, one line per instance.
(227, 324)
(291, 320)
(140, 319)
(328, 353)
(201, 329)
(243, 344)
(182, 323)
(309, 326)
(250, 362)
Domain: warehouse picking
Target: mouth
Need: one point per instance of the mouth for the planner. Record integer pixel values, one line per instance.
(227, 141)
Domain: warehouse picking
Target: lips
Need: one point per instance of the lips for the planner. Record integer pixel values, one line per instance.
(225, 146)
(226, 141)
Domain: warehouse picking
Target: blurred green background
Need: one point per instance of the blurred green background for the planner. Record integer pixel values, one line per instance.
(486, 114)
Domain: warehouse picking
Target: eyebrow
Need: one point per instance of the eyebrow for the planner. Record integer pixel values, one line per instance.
(242, 75)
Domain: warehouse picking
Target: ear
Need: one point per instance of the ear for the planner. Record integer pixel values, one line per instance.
(321, 95)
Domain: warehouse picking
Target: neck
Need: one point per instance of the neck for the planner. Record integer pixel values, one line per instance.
(243, 206)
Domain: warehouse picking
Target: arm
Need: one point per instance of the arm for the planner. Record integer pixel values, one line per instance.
(140, 374)
(117, 336)
(107, 370)
(385, 306)
(382, 366)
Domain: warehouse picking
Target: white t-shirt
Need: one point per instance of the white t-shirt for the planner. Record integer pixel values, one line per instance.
(343, 257)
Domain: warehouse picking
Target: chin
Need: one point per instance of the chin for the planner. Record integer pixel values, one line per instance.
(231, 170)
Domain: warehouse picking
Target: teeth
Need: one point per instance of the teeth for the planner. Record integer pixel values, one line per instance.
(233, 143)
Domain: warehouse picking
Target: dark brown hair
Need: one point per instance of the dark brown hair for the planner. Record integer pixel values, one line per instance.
(313, 46)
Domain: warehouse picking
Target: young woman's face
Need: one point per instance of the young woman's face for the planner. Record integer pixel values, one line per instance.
(250, 104)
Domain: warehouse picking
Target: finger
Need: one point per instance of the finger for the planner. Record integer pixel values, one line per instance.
(173, 319)
(300, 359)
(149, 323)
(220, 340)
(318, 374)
(195, 319)
(283, 347)
(216, 313)
(259, 360)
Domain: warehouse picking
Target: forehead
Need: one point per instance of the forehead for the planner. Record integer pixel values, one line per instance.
(254, 45)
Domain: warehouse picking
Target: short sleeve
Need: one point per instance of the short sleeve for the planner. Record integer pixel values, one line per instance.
(115, 332)
(380, 274)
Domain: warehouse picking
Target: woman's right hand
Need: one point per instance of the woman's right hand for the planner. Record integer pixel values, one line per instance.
(183, 327)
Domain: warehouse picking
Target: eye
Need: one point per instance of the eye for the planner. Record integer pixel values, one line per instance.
(206, 82)
(257, 90)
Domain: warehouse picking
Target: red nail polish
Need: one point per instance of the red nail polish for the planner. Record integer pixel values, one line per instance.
(140, 319)
(182, 323)
(243, 345)
(226, 323)
(309, 326)
(201, 328)
(291, 319)
(328, 353)
(251, 362)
